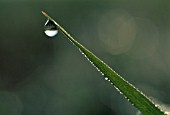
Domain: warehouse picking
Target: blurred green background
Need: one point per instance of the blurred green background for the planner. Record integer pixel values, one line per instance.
(42, 76)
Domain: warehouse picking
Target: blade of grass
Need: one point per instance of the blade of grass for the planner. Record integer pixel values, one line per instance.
(137, 98)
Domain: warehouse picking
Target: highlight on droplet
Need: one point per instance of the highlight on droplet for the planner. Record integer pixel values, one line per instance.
(51, 33)
(106, 78)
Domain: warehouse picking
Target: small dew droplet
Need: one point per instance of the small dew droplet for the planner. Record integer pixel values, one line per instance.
(50, 28)
(106, 78)
(102, 74)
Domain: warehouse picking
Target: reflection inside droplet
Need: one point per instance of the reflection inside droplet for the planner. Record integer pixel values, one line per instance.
(50, 28)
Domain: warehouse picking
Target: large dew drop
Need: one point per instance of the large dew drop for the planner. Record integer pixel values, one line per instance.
(50, 28)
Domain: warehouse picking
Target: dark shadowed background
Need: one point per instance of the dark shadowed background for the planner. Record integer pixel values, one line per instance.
(42, 76)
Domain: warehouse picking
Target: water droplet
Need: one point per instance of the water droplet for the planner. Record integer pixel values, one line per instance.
(106, 78)
(119, 91)
(156, 105)
(50, 28)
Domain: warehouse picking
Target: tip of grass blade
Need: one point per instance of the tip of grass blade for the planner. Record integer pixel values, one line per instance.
(47, 16)
(43, 13)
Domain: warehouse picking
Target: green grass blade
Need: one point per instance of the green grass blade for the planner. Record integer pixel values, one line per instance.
(137, 98)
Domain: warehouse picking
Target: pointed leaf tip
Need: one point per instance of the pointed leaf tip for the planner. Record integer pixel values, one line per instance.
(43, 12)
